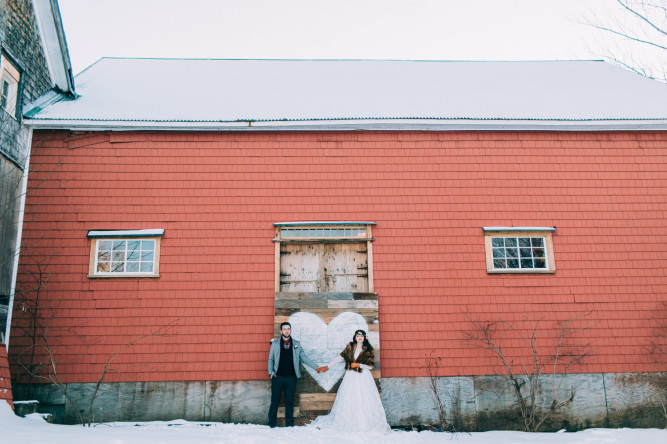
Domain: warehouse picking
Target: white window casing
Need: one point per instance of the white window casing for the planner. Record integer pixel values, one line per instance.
(125, 253)
(519, 250)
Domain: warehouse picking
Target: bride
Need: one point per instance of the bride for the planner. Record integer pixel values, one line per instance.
(357, 406)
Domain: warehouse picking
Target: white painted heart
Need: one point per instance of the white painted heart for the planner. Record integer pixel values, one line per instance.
(322, 342)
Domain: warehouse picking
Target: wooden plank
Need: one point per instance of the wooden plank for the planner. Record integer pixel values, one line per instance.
(371, 277)
(281, 411)
(301, 304)
(339, 295)
(354, 304)
(365, 296)
(316, 397)
(319, 406)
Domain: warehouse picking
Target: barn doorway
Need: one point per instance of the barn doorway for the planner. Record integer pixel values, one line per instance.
(324, 288)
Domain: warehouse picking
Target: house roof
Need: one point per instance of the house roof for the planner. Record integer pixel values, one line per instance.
(54, 45)
(119, 93)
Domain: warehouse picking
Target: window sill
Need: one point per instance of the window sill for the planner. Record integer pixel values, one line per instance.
(120, 276)
(520, 271)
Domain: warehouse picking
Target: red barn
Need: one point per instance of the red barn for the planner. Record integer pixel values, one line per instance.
(179, 210)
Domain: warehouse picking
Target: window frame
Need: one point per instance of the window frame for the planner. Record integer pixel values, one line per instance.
(124, 235)
(518, 232)
(11, 74)
(364, 234)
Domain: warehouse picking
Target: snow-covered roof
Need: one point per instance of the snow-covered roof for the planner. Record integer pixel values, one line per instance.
(118, 93)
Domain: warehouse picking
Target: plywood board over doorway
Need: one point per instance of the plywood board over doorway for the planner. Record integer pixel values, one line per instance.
(324, 288)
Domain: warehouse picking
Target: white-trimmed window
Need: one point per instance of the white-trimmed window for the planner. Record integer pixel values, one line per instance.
(519, 250)
(125, 253)
(9, 86)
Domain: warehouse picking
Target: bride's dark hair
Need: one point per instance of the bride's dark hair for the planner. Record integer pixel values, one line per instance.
(366, 343)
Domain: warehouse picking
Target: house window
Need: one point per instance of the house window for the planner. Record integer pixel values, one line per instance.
(324, 257)
(127, 253)
(9, 86)
(519, 250)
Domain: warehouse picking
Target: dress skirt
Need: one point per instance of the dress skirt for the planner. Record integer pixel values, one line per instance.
(357, 407)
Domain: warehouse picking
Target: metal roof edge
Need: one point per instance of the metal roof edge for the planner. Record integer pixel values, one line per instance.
(126, 233)
(287, 224)
(485, 229)
(355, 125)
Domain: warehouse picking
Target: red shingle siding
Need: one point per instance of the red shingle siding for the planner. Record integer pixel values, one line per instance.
(5, 380)
(218, 194)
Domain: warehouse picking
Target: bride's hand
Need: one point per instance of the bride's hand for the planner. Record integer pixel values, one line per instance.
(354, 365)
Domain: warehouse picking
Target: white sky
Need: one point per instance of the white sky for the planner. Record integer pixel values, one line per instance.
(341, 29)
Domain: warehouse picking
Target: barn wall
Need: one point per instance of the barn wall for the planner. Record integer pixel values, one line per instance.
(218, 194)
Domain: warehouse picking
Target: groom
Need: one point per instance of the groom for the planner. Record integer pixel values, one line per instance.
(285, 356)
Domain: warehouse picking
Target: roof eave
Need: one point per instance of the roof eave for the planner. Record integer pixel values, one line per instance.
(354, 125)
(54, 43)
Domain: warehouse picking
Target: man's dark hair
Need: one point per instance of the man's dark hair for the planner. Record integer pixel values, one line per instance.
(285, 323)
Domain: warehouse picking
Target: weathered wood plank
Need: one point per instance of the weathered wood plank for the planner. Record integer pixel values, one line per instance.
(354, 304)
(319, 406)
(316, 397)
(302, 304)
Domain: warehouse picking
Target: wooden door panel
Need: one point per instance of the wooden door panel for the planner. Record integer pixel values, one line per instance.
(345, 267)
(300, 267)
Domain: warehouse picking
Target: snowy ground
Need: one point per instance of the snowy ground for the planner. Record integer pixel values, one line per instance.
(33, 429)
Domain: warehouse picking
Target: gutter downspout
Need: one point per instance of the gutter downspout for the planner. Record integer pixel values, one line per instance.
(19, 234)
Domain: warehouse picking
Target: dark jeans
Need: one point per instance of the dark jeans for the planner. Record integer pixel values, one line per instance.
(278, 384)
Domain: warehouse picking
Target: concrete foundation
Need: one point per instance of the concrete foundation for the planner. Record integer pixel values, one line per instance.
(472, 403)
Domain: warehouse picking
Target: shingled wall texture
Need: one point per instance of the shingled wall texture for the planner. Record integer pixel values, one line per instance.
(5, 380)
(217, 196)
(20, 41)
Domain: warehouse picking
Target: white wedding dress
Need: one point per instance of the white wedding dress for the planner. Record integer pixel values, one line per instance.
(357, 407)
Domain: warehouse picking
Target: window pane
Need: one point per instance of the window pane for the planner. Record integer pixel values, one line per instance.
(525, 252)
(283, 233)
(499, 263)
(125, 256)
(512, 252)
(348, 232)
(526, 263)
(540, 263)
(537, 242)
(497, 242)
(313, 232)
(327, 232)
(510, 241)
(538, 252)
(499, 252)
(524, 242)
(512, 263)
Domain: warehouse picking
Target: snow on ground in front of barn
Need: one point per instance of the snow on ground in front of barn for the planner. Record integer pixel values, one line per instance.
(33, 429)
